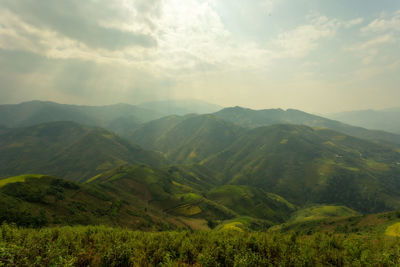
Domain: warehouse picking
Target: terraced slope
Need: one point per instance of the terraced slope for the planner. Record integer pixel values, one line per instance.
(167, 189)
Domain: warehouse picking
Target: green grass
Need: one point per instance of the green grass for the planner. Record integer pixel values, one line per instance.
(20, 178)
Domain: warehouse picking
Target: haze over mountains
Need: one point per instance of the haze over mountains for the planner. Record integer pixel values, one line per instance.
(386, 119)
(191, 170)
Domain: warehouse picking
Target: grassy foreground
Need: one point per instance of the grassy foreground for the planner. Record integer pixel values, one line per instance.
(102, 246)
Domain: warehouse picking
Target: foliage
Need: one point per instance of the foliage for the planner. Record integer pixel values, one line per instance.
(51, 201)
(102, 246)
(393, 230)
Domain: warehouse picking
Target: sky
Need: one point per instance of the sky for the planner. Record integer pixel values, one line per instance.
(319, 56)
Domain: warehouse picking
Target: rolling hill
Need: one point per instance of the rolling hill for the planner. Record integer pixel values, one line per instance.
(258, 118)
(307, 165)
(139, 197)
(40, 200)
(67, 150)
(252, 202)
(219, 170)
(190, 138)
(167, 189)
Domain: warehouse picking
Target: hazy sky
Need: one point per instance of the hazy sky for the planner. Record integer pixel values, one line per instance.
(315, 55)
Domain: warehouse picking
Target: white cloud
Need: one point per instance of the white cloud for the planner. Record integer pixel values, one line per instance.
(353, 22)
(191, 35)
(305, 38)
(380, 35)
(378, 41)
(385, 23)
(369, 50)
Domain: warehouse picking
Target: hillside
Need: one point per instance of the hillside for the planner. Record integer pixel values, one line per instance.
(386, 119)
(187, 139)
(138, 197)
(166, 189)
(319, 213)
(306, 165)
(257, 118)
(185, 194)
(341, 221)
(253, 202)
(67, 150)
(33, 200)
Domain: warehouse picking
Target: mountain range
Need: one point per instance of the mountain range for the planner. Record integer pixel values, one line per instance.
(256, 167)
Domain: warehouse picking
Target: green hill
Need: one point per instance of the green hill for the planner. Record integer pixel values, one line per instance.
(343, 221)
(320, 212)
(167, 189)
(253, 202)
(184, 193)
(257, 118)
(187, 139)
(306, 165)
(146, 135)
(43, 200)
(67, 150)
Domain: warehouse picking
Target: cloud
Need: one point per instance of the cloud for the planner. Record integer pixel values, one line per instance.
(104, 51)
(169, 35)
(370, 50)
(379, 37)
(378, 41)
(26, 76)
(383, 24)
(80, 21)
(305, 38)
(192, 35)
(354, 22)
